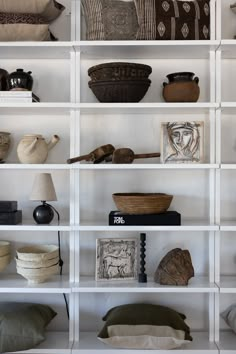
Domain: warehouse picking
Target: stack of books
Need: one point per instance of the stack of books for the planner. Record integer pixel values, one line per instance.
(18, 97)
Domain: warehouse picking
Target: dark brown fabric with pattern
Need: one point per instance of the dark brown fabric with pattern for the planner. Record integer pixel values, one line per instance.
(110, 19)
(10, 18)
(173, 19)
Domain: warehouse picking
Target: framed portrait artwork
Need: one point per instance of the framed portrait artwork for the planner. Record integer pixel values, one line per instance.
(116, 259)
(182, 142)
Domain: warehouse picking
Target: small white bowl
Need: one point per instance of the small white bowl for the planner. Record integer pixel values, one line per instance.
(39, 275)
(38, 253)
(4, 261)
(36, 264)
(4, 248)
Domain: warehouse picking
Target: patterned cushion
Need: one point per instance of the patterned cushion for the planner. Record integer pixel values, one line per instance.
(173, 19)
(7, 18)
(110, 19)
(49, 9)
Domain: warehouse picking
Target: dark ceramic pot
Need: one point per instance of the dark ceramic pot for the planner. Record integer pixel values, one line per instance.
(3, 79)
(20, 80)
(182, 87)
(181, 76)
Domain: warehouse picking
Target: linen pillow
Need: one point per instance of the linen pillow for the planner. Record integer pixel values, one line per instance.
(24, 27)
(229, 315)
(22, 326)
(110, 19)
(49, 9)
(173, 19)
(144, 326)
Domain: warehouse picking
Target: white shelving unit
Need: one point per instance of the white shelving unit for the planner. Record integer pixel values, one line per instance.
(204, 194)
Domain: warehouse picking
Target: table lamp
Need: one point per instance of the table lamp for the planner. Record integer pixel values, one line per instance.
(43, 190)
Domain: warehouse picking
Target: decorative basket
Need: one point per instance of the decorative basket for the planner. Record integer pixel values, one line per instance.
(4, 261)
(142, 203)
(120, 91)
(119, 71)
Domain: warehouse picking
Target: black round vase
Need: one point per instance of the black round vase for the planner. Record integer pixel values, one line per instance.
(43, 214)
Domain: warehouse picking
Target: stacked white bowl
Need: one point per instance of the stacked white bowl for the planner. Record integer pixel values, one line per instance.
(37, 263)
(5, 256)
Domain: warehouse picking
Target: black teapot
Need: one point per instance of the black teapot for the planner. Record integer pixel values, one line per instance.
(3, 80)
(20, 80)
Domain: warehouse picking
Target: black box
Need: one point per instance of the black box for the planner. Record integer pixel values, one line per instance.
(117, 218)
(12, 218)
(8, 205)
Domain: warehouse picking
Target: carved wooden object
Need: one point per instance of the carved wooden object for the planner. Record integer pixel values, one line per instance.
(175, 268)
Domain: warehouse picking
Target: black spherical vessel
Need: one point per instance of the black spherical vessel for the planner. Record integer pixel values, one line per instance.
(43, 214)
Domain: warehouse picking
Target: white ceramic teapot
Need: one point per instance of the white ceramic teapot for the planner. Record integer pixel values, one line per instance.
(34, 149)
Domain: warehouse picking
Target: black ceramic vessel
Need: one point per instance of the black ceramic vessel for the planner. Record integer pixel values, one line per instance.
(43, 214)
(20, 80)
(180, 76)
(3, 79)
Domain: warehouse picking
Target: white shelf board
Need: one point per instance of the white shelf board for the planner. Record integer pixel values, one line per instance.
(186, 225)
(146, 49)
(196, 285)
(36, 108)
(227, 284)
(227, 343)
(146, 108)
(19, 166)
(228, 166)
(55, 343)
(146, 166)
(30, 225)
(90, 344)
(228, 48)
(228, 225)
(15, 283)
(36, 50)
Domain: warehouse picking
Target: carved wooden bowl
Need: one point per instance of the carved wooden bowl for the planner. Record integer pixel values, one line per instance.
(142, 203)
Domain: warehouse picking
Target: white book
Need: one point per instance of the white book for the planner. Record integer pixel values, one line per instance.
(15, 99)
(15, 94)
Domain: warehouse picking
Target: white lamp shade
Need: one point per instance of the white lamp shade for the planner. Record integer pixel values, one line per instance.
(43, 188)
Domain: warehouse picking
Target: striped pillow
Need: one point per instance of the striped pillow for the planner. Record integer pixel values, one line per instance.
(173, 19)
(110, 19)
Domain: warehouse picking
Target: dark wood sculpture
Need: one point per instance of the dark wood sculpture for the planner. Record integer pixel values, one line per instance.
(142, 277)
(126, 155)
(175, 268)
(96, 156)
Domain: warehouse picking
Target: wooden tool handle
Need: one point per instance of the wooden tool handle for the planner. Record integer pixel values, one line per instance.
(79, 158)
(144, 156)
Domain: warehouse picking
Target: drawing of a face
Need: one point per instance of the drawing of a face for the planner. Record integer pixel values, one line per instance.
(183, 141)
(181, 138)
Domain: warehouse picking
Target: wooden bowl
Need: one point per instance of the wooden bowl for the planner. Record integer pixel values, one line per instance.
(142, 203)
(39, 253)
(4, 248)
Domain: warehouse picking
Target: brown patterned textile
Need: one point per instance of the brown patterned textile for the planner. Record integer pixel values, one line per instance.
(7, 18)
(110, 19)
(173, 19)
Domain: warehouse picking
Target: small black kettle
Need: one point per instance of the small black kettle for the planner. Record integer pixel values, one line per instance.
(20, 79)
